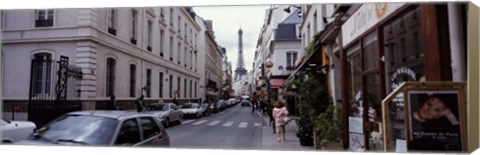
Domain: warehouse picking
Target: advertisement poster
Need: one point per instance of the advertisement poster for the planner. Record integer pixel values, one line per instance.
(355, 124)
(357, 142)
(434, 121)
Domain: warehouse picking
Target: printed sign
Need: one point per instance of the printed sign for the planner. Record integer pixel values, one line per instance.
(365, 18)
(400, 145)
(357, 142)
(355, 124)
(434, 121)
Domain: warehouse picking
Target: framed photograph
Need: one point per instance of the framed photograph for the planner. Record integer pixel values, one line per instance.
(434, 120)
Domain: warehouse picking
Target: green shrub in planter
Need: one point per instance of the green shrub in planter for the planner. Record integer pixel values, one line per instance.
(328, 125)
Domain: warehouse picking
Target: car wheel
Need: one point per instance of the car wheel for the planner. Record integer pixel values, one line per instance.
(6, 142)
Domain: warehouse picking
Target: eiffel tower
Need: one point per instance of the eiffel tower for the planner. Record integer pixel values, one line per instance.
(240, 71)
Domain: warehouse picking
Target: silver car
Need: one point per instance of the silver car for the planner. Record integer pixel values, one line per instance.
(101, 128)
(168, 113)
(191, 110)
(13, 131)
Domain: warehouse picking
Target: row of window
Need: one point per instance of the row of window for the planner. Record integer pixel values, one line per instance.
(190, 57)
(192, 89)
(45, 18)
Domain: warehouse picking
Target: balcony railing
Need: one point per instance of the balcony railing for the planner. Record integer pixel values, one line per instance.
(133, 41)
(44, 23)
(112, 31)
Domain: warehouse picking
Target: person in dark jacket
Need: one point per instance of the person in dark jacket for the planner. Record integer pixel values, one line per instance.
(112, 104)
(269, 108)
(140, 104)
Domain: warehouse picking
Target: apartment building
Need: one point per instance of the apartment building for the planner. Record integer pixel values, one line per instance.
(121, 52)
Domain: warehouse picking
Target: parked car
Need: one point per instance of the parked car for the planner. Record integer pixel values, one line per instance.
(101, 128)
(168, 113)
(205, 109)
(245, 103)
(232, 101)
(191, 110)
(13, 131)
(213, 108)
(220, 105)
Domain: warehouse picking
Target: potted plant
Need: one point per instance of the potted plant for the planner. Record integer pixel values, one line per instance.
(305, 127)
(327, 129)
(312, 95)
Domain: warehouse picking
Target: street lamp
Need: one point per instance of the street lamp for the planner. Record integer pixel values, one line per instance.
(269, 63)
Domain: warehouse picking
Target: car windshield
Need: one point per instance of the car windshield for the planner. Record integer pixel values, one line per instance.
(189, 106)
(157, 107)
(81, 129)
(4, 122)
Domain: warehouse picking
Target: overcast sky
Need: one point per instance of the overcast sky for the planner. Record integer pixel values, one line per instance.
(226, 22)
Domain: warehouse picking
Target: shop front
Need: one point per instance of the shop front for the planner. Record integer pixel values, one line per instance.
(383, 45)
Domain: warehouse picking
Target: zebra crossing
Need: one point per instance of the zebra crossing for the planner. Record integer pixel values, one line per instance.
(222, 123)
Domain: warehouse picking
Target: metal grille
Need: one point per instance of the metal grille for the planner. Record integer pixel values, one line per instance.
(54, 89)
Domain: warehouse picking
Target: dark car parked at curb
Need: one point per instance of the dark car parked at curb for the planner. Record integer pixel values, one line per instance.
(213, 108)
(205, 109)
(101, 128)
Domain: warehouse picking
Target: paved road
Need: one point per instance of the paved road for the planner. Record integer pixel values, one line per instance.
(233, 128)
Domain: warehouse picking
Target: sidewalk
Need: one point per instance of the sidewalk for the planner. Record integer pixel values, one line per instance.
(269, 139)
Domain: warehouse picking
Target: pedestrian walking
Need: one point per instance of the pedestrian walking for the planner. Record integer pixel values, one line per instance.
(112, 104)
(253, 109)
(280, 113)
(140, 104)
(263, 106)
(272, 119)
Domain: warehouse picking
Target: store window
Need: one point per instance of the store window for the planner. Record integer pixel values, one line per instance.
(354, 75)
(404, 52)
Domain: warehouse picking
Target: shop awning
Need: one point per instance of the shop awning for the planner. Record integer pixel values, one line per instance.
(276, 83)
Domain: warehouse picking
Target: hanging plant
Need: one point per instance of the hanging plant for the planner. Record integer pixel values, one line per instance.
(311, 45)
(289, 84)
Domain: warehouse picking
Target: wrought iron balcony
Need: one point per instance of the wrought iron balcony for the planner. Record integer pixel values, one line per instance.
(133, 41)
(44, 23)
(112, 31)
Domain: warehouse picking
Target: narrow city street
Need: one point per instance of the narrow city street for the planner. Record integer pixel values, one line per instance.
(233, 128)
